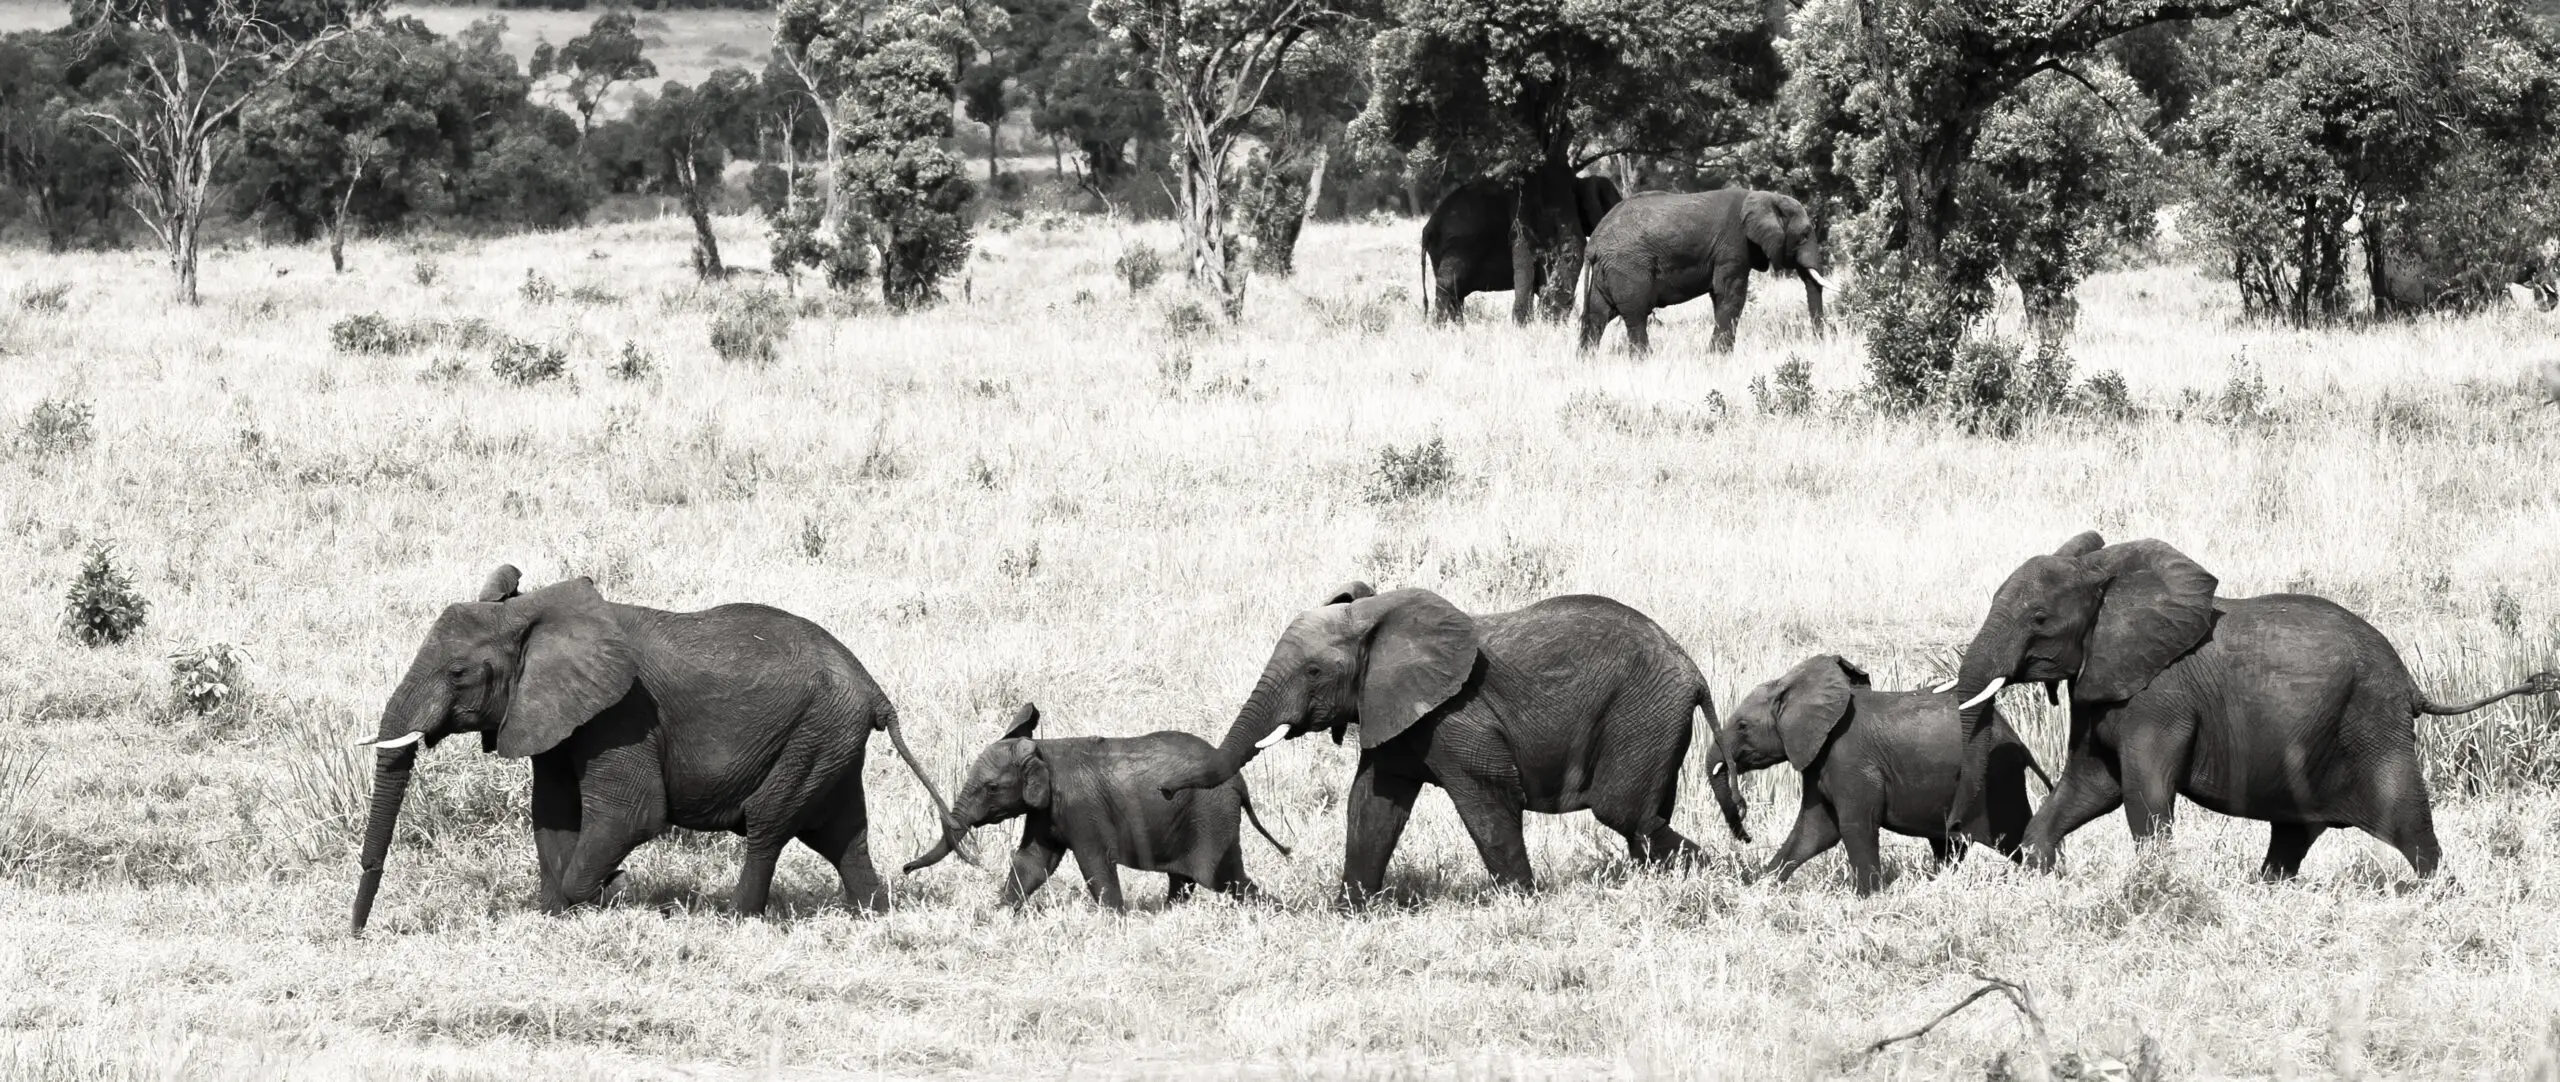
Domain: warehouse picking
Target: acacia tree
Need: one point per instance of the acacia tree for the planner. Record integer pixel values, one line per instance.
(359, 118)
(193, 65)
(1529, 92)
(589, 66)
(1303, 120)
(690, 133)
(1213, 60)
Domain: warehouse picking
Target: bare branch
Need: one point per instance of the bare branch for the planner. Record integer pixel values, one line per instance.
(2018, 997)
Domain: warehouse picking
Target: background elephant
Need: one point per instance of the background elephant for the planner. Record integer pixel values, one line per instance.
(1466, 243)
(1661, 249)
(1097, 797)
(740, 718)
(1574, 702)
(1868, 760)
(2284, 708)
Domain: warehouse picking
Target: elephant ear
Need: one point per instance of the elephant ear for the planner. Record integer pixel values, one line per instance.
(574, 663)
(1766, 227)
(2158, 605)
(1813, 700)
(1037, 784)
(1349, 592)
(1419, 652)
(1594, 196)
(501, 583)
(1024, 720)
(2081, 545)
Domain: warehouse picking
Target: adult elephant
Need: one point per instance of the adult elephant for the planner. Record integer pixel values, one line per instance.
(1466, 243)
(1661, 249)
(1573, 702)
(2284, 708)
(740, 718)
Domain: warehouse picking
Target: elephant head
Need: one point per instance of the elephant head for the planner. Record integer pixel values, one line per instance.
(1787, 720)
(1382, 661)
(1593, 197)
(2105, 617)
(521, 670)
(1008, 779)
(1781, 236)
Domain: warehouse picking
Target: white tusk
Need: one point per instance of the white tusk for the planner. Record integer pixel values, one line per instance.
(1277, 734)
(1987, 693)
(1943, 687)
(1817, 277)
(394, 742)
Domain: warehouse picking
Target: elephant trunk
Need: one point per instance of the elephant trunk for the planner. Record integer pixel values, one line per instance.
(953, 829)
(1256, 726)
(391, 767)
(1813, 288)
(1994, 654)
(1726, 780)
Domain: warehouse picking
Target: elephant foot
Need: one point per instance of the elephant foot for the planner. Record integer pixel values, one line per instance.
(611, 891)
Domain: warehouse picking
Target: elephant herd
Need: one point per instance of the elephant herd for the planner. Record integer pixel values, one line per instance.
(1640, 253)
(2284, 708)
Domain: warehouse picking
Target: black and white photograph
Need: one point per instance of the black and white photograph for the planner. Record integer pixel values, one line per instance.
(1279, 540)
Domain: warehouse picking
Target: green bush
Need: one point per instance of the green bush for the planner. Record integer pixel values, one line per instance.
(1411, 473)
(525, 363)
(104, 608)
(57, 427)
(1785, 392)
(750, 327)
(208, 677)
(368, 332)
(1139, 267)
(537, 289)
(634, 364)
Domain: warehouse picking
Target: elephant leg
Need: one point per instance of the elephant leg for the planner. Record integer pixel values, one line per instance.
(1816, 831)
(1493, 820)
(1231, 879)
(608, 838)
(1375, 809)
(1178, 887)
(1033, 864)
(2287, 843)
(2406, 819)
(1649, 836)
(843, 840)
(555, 822)
(1729, 289)
(1639, 329)
(810, 780)
(2087, 789)
(2149, 762)
(2005, 811)
(1858, 835)
(1596, 314)
(1102, 878)
(1941, 850)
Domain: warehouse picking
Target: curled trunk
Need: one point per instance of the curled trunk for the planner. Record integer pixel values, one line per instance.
(953, 830)
(1252, 724)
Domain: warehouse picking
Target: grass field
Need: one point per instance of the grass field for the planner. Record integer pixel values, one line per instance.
(1051, 491)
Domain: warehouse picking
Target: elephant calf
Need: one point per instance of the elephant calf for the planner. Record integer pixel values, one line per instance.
(1872, 759)
(1097, 797)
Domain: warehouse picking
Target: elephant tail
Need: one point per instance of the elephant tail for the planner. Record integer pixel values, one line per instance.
(887, 718)
(2541, 683)
(1424, 254)
(1245, 799)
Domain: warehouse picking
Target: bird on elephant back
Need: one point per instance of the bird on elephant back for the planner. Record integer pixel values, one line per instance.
(2284, 708)
(1663, 248)
(1466, 243)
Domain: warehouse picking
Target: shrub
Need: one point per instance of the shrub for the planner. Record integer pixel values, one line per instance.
(445, 369)
(1406, 474)
(595, 295)
(2244, 393)
(104, 607)
(425, 271)
(634, 364)
(1915, 328)
(750, 327)
(52, 298)
(371, 333)
(1139, 266)
(1786, 391)
(537, 289)
(525, 363)
(57, 427)
(813, 538)
(1188, 318)
(207, 677)
(2105, 395)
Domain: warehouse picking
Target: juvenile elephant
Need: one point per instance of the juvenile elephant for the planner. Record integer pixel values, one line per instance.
(740, 718)
(1466, 243)
(2284, 708)
(1872, 759)
(1660, 249)
(1573, 702)
(1097, 797)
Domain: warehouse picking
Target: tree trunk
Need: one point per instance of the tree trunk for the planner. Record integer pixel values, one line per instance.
(706, 244)
(991, 156)
(1560, 253)
(1215, 271)
(1524, 251)
(1315, 183)
(338, 224)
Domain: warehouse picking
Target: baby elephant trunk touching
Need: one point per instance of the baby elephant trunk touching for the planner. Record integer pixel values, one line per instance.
(952, 831)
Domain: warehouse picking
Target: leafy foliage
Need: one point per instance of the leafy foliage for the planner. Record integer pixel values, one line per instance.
(53, 167)
(590, 64)
(208, 677)
(104, 609)
(690, 133)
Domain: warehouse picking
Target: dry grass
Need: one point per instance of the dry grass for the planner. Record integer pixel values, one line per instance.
(1047, 492)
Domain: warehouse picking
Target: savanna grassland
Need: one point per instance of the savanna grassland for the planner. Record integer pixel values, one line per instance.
(1057, 490)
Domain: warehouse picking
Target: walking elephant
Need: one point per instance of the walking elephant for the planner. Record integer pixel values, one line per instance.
(1466, 243)
(2284, 708)
(1095, 796)
(1573, 702)
(740, 718)
(1871, 760)
(1660, 249)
